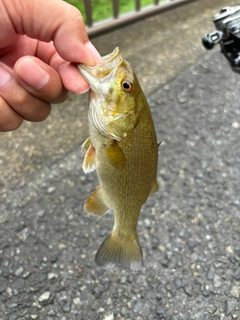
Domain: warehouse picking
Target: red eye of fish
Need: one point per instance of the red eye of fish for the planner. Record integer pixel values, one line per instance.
(127, 86)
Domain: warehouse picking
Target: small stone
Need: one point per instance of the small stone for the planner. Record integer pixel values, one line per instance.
(19, 271)
(230, 305)
(26, 274)
(51, 189)
(188, 289)
(62, 246)
(97, 291)
(9, 291)
(235, 125)
(67, 306)
(34, 316)
(13, 317)
(212, 309)
(109, 316)
(234, 292)
(165, 262)
(182, 97)
(160, 310)
(51, 312)
(217, 281)
(138, 306)
(45, 296)
(104, 232)
(52, 276)
(210, 275)
(124, 311)
(147, 223)
(77, 301)
(178, 283)
(123, 279)
(15, 292)
(193, 258)
(40, 213)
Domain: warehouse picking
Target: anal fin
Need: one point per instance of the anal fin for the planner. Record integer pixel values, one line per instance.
(96, 204)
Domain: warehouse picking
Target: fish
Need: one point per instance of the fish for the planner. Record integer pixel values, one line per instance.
(123, 149)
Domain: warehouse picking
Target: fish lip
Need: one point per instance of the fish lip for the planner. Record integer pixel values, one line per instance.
(110, 60)
(102, 71)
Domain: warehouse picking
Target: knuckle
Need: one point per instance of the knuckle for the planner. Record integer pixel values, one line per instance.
(9, 119)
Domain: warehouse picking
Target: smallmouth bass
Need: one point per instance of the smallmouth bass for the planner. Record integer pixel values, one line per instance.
(123, 149)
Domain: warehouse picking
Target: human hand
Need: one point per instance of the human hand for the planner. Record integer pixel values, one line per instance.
(40, 42)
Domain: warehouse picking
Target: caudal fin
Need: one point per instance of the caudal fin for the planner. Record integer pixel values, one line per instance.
(117, 251)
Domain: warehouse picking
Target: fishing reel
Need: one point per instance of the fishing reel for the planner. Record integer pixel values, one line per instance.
(227, 34)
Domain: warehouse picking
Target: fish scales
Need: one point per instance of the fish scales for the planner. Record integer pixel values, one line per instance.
(123, 149)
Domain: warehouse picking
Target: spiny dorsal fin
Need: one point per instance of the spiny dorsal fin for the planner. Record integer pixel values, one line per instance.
(96, 204)
(125, 252)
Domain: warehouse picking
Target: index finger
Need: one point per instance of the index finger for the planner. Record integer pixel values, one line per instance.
(55, 21)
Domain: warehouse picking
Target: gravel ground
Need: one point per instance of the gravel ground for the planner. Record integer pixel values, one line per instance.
(189, 230)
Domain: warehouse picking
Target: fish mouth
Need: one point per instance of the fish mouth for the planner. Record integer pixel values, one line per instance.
(102, 72)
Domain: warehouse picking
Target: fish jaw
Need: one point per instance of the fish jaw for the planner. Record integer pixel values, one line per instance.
(87, 73)
(103, 72)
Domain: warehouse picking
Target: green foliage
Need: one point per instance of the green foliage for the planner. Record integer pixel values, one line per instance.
(102, 9)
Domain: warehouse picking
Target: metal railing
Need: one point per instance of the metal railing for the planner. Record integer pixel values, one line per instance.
(96, 28)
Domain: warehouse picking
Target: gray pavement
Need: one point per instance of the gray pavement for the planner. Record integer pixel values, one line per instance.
(189, 230)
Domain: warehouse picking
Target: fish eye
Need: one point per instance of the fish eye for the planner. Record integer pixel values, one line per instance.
(127, 85)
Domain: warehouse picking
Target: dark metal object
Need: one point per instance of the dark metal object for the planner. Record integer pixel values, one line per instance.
(227, 34)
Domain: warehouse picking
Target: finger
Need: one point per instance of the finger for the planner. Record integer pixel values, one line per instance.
(25, 104)
(51, 20)
(41, 80)
(71, 77)
(9, 119)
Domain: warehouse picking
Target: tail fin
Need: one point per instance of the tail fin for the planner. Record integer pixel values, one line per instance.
(120, 251)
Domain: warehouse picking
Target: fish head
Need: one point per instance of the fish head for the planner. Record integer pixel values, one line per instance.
(113, 93)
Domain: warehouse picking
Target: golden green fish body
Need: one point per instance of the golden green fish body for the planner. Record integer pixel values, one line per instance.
(123, 149)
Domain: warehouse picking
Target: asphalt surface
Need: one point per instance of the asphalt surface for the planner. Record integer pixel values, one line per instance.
(189, 230)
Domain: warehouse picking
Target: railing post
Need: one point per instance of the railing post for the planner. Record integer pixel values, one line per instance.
(137, 5)
(88, 10)
(115, 9)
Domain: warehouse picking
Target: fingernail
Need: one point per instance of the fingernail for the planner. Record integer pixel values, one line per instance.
(4, 77)
(93, 52)
(32, 74)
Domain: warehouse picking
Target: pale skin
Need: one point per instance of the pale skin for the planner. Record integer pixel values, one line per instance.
(40, 42)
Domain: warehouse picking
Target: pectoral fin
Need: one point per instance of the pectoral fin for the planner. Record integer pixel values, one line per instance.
(89, 162)
(97, 204)
(154, 187)
(86, 144)
(115, 155)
